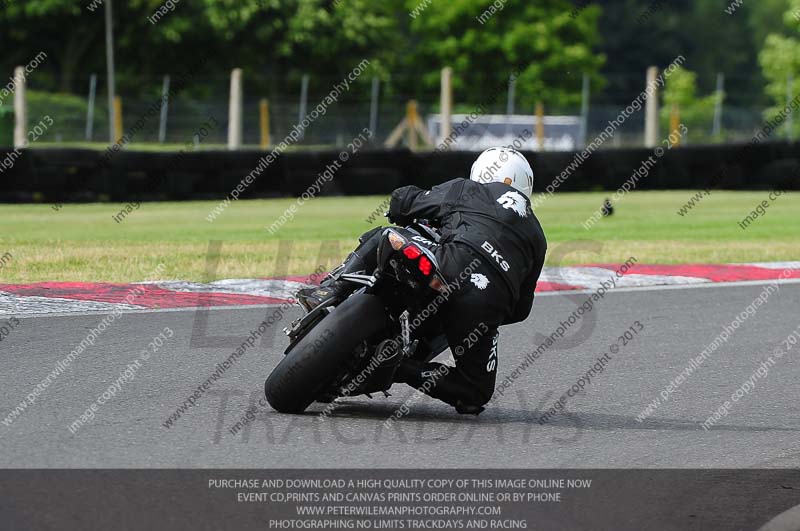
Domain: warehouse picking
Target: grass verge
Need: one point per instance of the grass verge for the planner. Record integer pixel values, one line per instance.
(84, 243)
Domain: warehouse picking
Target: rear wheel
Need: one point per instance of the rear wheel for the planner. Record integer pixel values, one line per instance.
(313, 363)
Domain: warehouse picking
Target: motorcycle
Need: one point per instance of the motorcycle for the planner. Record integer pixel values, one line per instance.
(353, 346)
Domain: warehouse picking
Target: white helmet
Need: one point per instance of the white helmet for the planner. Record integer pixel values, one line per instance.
(503, 165)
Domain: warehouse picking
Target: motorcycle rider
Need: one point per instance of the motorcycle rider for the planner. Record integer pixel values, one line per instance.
(487, 217)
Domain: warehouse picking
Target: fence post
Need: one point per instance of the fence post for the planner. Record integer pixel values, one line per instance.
(373, 106)
(510, 103)
(717, 129)
(651, 111)
(585, 94)
(446, 103)
(303, 105)
(20, 109)
(675, 123)
(263, 109)
(162, 123)
(235, 111)
(90, 108)
(118, 119)
(790, 116)
(411, 118)
(112, 128)
(540, 125)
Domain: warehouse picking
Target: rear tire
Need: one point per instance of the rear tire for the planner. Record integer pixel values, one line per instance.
(313, 362)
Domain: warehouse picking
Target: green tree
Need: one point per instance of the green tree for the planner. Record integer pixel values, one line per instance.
(72, 36)
(764, 18)
(288, 38)
(276, 41)
(553, 47)
(640, 33)
(780, 61)
(55, 27)
(696, 113)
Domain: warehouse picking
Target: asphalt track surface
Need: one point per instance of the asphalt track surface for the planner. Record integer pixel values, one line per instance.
(600, 429)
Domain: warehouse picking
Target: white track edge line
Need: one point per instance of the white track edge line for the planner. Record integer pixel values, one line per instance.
(146, 310)
(665, 287)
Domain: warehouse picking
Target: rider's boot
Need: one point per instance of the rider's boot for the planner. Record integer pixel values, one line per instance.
(432, 379)
(331, 287)
(361, 261)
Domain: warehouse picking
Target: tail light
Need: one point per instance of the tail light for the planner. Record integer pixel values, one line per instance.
(425, 265)
(412, 252)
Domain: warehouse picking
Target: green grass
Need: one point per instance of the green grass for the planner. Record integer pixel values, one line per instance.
(84, 243)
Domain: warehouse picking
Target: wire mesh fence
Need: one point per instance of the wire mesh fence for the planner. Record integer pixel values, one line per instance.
(79, 121)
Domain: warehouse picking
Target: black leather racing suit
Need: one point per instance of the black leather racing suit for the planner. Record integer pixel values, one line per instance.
(493, 223)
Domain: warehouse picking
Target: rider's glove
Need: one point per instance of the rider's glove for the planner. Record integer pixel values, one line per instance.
(393, 220)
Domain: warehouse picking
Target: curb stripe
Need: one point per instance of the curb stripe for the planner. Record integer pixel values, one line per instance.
(66, 297)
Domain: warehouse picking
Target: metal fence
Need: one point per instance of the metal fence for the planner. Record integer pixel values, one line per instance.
(208, 99)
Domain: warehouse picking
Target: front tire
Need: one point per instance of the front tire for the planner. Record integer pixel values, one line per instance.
(314, 361)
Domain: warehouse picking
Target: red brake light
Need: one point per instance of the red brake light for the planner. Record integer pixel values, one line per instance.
(425, 266)
(411, 252)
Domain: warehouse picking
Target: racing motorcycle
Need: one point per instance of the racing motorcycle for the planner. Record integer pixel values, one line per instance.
(353, 346)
